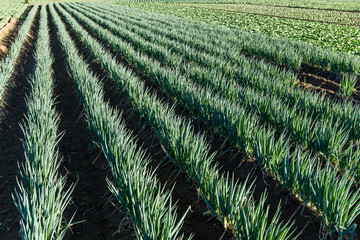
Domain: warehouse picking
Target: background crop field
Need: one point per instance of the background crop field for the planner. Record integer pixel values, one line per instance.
(313, 15)
(349, 5)
(273, 21)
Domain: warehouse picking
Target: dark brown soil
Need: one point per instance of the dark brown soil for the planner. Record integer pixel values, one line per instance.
(324, 81)
(12, 113)
(320, 84)
(308, 80)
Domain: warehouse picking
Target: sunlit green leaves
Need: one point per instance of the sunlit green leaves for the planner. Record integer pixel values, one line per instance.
(339, 37)
(188, 150)
(11, 9)
(135, 185)
(42, 196)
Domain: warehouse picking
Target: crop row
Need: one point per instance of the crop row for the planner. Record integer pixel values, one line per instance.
(297, 171)
(135, 184)
(7, 65)
(229, 200)
(42, 196)
(310, 130)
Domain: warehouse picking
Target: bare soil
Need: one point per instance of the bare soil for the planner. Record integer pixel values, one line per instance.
(324, 81)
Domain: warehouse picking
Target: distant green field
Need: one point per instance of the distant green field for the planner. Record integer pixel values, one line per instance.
(316, 15)
(35, 1)
(351, 5)
(340, 37)
(11, 9)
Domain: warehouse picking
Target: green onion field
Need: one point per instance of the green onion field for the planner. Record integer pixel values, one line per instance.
(180, 119)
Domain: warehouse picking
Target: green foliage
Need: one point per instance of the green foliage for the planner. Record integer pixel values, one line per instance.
(135, 185)
(188, 150)
(229, 119)
(42, 197)
(347, 85)
(8, 62)
(280, 50)
(314, 131)
(351, 5)
(11, 9)
(339, 37)
(315, 15)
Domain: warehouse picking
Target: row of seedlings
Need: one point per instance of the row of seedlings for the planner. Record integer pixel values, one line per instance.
(7, 65)
(232, 202)
(135, 184)
(42, 196)
(297, 170)
(310, 131)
